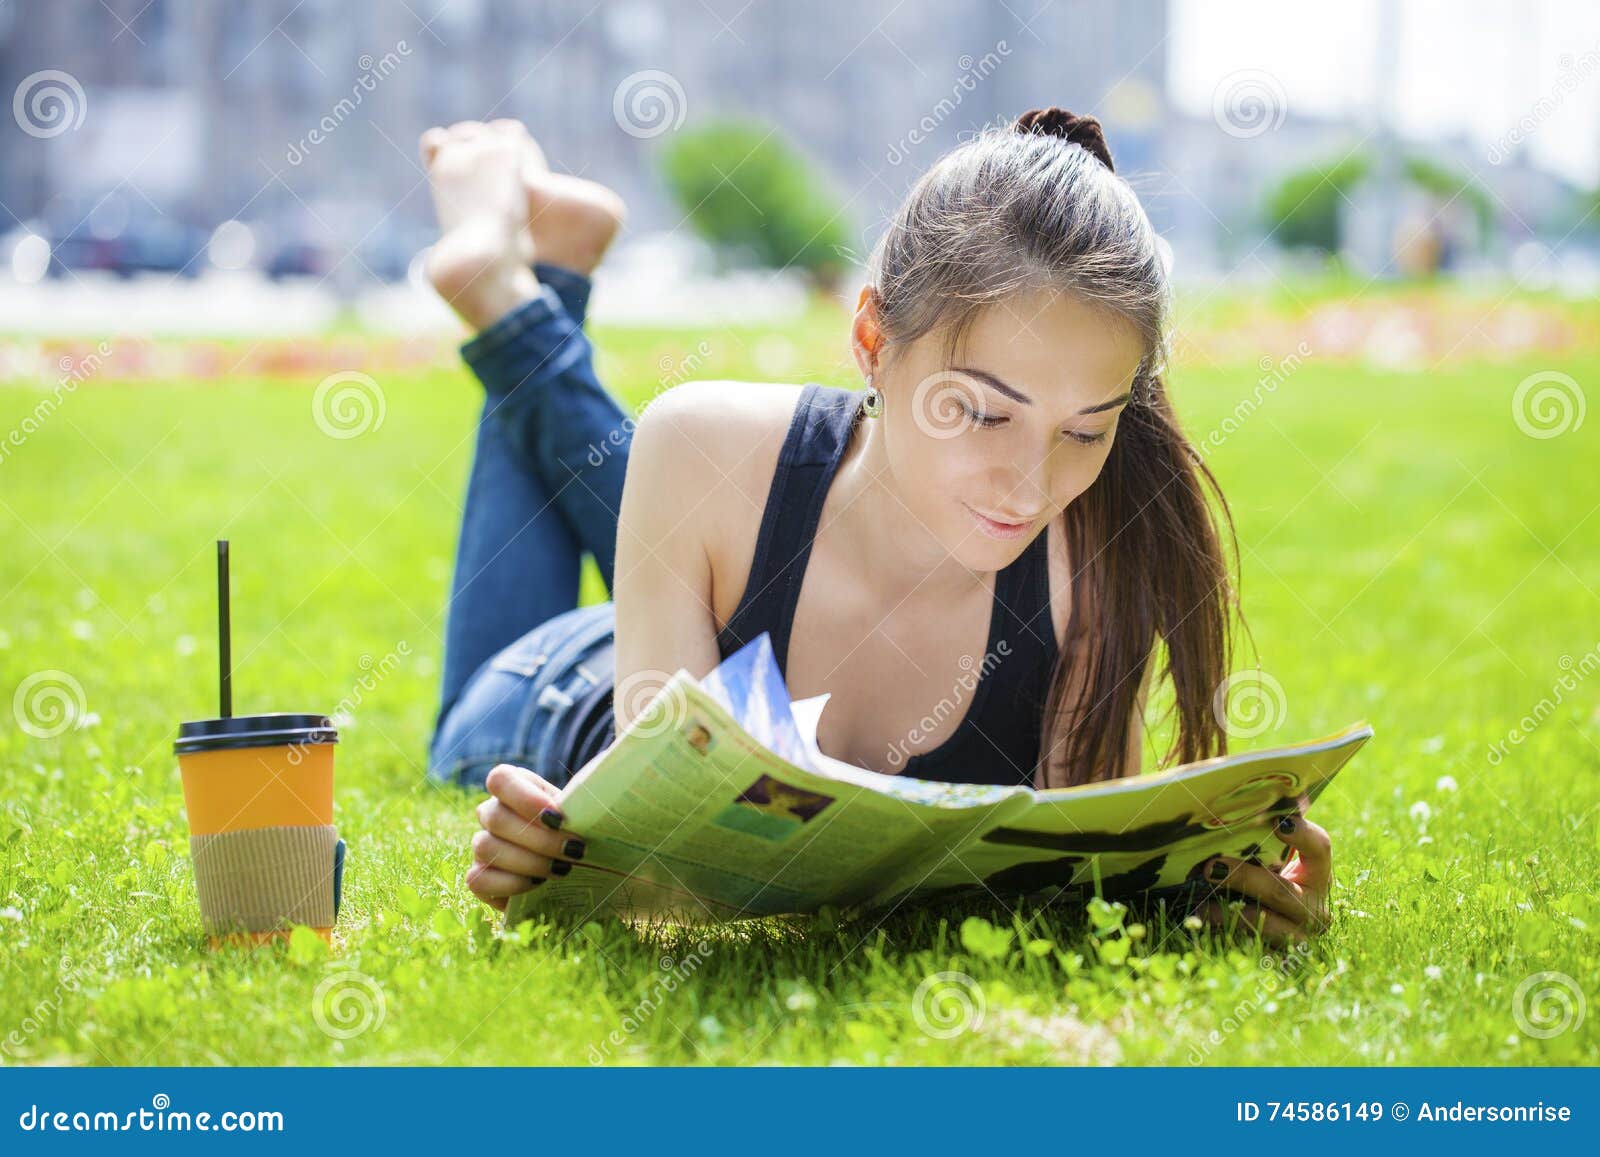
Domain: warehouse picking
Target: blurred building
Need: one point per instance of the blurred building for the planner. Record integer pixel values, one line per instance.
(297, 110)
(301, 116)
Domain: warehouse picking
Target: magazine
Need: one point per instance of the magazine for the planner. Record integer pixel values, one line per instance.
(716, 803)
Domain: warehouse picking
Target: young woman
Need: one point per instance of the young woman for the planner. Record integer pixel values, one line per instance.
(1010, 483)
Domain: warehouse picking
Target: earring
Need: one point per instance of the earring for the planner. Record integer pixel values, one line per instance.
(872, 404)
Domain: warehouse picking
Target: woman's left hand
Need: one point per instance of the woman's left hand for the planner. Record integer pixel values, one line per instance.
(1287, 905)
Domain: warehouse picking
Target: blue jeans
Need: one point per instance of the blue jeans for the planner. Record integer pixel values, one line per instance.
(546, 486)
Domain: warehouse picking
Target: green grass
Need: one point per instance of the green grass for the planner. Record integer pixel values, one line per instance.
(1409, 557)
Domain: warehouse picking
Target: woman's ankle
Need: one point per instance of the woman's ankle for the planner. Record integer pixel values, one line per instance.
(478, 273)
(499, 298)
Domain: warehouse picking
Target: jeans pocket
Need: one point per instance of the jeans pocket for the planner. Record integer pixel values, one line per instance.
(513, 708)
(491, 721)
(518, 659)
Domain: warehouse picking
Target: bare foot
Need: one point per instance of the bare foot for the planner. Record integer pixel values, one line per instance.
(500, 208)
(572, 220)
(480, 264)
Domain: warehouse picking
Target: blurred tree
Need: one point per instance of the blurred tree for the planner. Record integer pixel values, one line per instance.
(755, 198)
(1448, 185)
(1302, 211)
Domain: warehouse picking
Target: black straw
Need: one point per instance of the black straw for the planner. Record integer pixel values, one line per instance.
(224, 629)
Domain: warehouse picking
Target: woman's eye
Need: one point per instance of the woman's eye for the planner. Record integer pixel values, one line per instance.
(1086, 439)
(981, 420)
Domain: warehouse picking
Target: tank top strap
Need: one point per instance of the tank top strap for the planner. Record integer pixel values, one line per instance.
(818, 434)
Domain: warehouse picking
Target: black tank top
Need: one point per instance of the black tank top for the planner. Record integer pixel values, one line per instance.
(997, 740)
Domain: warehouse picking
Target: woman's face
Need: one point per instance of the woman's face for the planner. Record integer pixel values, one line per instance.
(987, 448)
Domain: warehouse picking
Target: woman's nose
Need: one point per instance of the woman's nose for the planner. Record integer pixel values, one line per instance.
(1026, 493)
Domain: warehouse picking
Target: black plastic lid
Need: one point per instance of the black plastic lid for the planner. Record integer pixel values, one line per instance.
(254, 731)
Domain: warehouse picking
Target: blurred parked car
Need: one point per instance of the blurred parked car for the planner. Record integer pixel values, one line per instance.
(344, 245)
(124, 239)
(299, 256)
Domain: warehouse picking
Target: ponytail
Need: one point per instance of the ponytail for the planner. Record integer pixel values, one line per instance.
(1146, 551)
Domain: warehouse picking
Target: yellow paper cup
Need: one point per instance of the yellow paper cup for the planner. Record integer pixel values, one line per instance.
(258, 790)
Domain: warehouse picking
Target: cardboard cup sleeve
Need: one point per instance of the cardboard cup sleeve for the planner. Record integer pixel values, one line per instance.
(264, 879)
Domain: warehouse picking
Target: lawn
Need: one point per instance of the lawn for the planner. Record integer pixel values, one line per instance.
(1410, 556)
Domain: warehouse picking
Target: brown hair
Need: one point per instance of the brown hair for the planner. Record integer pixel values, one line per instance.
(1037, 204)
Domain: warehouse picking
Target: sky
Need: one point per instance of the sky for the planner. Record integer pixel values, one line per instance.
(1473, 66)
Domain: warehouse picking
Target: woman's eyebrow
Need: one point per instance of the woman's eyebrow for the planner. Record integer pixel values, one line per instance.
(1016, 395)
(994, 383)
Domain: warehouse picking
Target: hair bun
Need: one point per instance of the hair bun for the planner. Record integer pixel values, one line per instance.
(1058, 122)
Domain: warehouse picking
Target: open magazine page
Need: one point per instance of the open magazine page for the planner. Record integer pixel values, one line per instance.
(1142, 832)
(717, 803)
(1128, 835)
(688, 813)
(981, 806)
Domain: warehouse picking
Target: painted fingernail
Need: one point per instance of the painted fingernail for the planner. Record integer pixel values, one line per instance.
(1286, 825)
(1217, 872)
(573, 849)
(560, 868)
(551, 818)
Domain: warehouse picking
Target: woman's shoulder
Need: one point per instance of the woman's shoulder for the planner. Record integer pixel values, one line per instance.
(713, 446)
(715, 402)
(733, 428)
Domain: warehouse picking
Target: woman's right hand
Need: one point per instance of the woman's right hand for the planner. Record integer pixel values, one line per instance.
(521, 844)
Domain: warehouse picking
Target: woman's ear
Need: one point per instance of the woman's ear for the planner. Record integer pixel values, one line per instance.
(866, 336)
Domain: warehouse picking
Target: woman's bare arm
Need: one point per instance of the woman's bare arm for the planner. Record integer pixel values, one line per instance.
(662, 589)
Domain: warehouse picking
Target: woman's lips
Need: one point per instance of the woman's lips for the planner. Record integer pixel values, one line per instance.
(995, 528)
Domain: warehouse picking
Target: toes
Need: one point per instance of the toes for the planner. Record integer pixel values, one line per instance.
(431, 142)
(534, 164)
(615, 205)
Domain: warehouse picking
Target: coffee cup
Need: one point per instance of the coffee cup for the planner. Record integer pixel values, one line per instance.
(258, 790)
